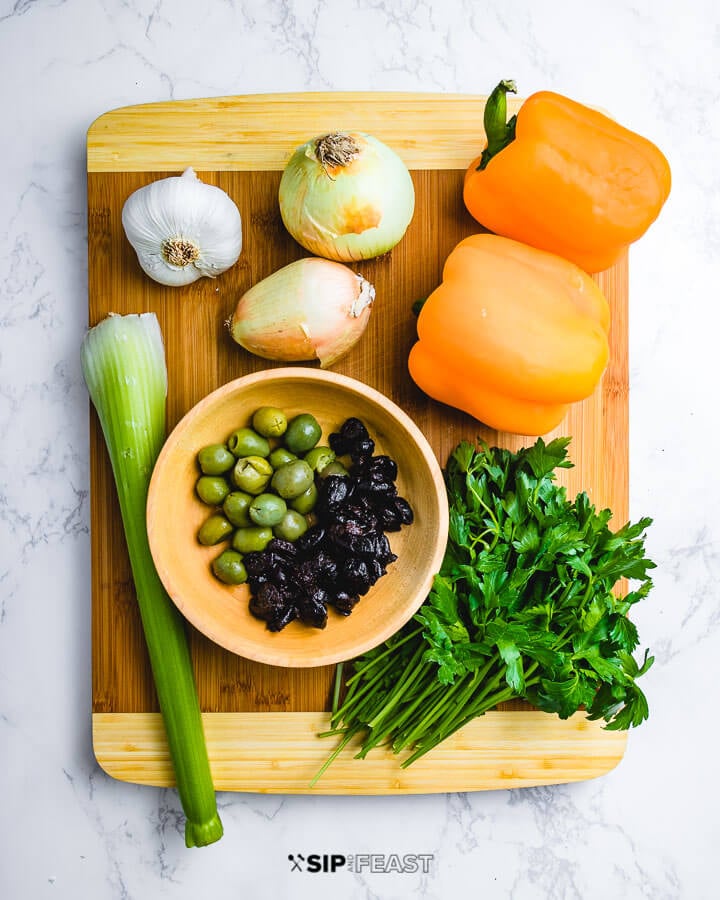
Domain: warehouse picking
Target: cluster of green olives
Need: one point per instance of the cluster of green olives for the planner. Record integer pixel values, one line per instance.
(262, 482)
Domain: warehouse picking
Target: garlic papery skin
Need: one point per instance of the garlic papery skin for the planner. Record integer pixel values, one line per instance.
(346, 196)
(310, 309)
(182, 229)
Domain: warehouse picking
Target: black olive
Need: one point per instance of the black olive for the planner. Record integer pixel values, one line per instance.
(278, 576)
(370, 487)
(256, 562)
(335, 491)
(312, 539)
(362, 449)
(389, 518)
(404, 510)
(313, 608)
(365, 546)
(354, 428)
(344, 602)
(382, 468)
(305, 575)
(351, 433)
(267, 602)
(326, 567)
(382, 546)
(281, 549)
(355, 575)
(344, 534)
(285, 616)
(361, 515)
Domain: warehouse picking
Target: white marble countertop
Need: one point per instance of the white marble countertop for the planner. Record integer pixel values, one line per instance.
(648, 829)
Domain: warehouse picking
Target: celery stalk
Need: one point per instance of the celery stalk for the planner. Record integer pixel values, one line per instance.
(123, 363)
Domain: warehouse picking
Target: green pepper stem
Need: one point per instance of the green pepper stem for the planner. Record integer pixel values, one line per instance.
(498, 130)
(418, 305)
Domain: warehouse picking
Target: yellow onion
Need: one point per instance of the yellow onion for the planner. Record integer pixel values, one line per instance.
(310, 309)
(346, 196)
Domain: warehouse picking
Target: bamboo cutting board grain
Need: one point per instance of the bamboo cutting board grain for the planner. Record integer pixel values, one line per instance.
(261, 722)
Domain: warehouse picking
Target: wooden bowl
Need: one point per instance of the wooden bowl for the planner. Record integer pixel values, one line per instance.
(174, 514)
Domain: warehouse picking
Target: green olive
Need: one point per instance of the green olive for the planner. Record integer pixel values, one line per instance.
(215, 459)
(229, 567)
(269, 421)
(303, 432)
(292, 526)
(280, 456)
(305, 503)
(246, 442)
(247, 540)
(252, 474)
(212, 489)
(237, 508)
(319, 457)
(292, 479)
(267, 509)
(213, 530)
(333, 468)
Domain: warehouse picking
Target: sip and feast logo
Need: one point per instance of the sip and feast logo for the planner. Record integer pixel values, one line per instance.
(375, 863)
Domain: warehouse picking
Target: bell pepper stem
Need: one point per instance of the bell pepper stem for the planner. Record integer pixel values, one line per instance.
(418, 305)
(499, 131)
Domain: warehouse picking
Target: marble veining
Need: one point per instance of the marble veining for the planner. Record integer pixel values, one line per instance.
(650, 828)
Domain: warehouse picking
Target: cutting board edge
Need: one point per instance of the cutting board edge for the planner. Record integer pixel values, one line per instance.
(247, 132)
(251, 753)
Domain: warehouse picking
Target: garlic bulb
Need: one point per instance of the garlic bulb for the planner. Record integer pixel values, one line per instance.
(311, 309)
(182, 229)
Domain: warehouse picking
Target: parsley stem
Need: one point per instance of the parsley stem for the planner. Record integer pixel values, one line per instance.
(349, 703)
(477, 702)
(350, 734)
(392, 648)
(483, 504)
(400, 719)
(349, 691)
(371, 704)
(436, 710)
(412, 719)
(473, 712)
(441, 734)
(406, 738)
(416, 666)
(425, 726)
(338, 686)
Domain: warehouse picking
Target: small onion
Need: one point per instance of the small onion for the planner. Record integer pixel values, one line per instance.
(346, 196)
(310, 309)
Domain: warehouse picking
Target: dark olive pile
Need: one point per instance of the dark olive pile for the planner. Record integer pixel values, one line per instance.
(345, 552)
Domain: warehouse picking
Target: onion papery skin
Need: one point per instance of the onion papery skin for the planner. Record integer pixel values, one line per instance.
(311, 309)
(347, 212)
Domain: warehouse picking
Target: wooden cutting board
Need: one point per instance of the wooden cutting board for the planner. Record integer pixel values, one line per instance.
(261, 722)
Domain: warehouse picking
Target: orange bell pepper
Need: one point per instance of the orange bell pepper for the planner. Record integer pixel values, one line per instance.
(512, 336)
(565, 178)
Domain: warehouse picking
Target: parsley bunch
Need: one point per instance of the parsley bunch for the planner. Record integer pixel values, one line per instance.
(523, 607)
